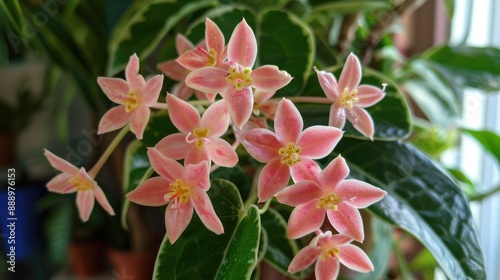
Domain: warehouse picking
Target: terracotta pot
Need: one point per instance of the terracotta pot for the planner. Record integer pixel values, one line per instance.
(88, 258)
(132, 265)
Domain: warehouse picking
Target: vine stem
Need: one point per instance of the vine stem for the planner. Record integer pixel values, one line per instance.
(481, 196)
(109, 150)
(309, 99)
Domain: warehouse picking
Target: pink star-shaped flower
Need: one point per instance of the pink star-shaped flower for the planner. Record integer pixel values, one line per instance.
(235, 85)
(134, 95)
(331, 194)
(183, 188)
(288, 150)
(349, 98)
(329, 251)
(199, 138)
(77, 180)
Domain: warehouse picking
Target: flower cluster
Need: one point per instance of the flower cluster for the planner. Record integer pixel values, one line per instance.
(239, 101)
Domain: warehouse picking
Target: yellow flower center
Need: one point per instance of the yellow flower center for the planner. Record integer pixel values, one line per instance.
(212, 57)
(330, 201)
(349, 97)
(201, 136)
(290, 154)
(180, 192)
(239, 79)
(131, 102)
(332, 252)
(80, 183)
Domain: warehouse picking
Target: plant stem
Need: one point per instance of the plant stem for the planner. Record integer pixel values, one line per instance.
(309, 99)
(481, 196)
(265, 207)
(109, 150)
(160, 106)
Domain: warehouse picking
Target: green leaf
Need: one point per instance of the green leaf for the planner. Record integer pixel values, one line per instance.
(13, 12)
(476, 67)
(287, 42)
(391, 116)
(488, 139)
(349, 6)
(141, 30)
(201, 254)
(422, 199)
(280, 249)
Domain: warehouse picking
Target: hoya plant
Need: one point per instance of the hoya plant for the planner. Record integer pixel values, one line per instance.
(278, 133)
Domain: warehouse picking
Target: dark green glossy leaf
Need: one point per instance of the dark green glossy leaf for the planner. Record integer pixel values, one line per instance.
(12, 10)
(391, 115)
(141, 30)
(488, 139)
(422, 199)
(201, 254)
(287, 42)
(474, 67)
(349, 6)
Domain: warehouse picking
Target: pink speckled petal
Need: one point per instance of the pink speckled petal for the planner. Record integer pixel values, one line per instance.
(59, 163)
(208, 80)
(216, 118)
(173, 70)
(214, 37)
(206, 212)
(355, 259)
(165, 166)
(222, 153)
(269, 78)
(300, 193)
(193, 59)
(358, 193)
(182, 114)
(336, 171)
(85, 203)
(361, 120)
(182, 91)
(196, 155)
(347, 220)
(329, 84)
(197, 175)
(113, 119)
(327, 269)
(152, 90)
(337, 115)
(351, 74)
(135, 80)
(272, 179)
(239, 105)
(116, 89)
(318, 141)
(305, 218)
(304, 258)
(288, 122)
(307, 169)
(174, 146)
(61, 184)
(139, 121)
(262, 96)
(151, 192)
(102, 200)
(369, 96)
(182, 44)
(242, 46)
(262, 144)
(177, 218)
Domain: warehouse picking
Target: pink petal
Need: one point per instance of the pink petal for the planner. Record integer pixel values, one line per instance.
(318, 141)
(239, 105)
(307, 169)
(272, 179)
(113, 119)
(151, 192)
(329, 84)
(135, 80)
(208, 79)
(152, 90)
(355, 259)
(288, 122)
(117, 90)
(262, 96)
(242, 46)
(85, 204)
(182, 114)
(59, 163)
(268, 109)
(61, 184)
(139, 121)
(196, 154)
(177, 218)
(182, 91)
(347, 221)
(214, 37)
(182, 44)
(351, 74)
(164, 166)
(206, 212)
(209, 96)
(362, 121)
(269, 78)
(216, 118)
(327, 269)
(305, 219)
(174, 146)
(337, 115)
(300, 193)
(358, 193)
(304, 258)
(262, 144)
(222, 153)
(193, 59)
(335, 240)
(103, 201)
(336, 171)
(198, 175)
(173, 70)
(369, 96)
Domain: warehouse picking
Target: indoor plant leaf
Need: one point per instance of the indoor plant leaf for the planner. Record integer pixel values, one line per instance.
(349, 6)
(488, 139)
(422, 199)
(201, 254)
